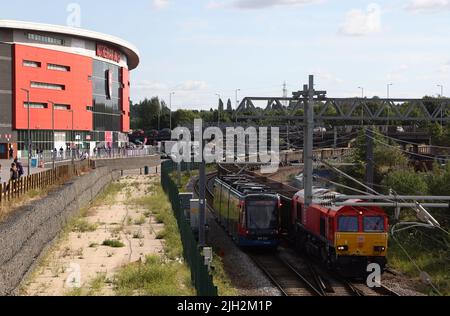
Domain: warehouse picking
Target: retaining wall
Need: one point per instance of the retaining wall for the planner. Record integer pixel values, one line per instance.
(129, 163)
(31, 229)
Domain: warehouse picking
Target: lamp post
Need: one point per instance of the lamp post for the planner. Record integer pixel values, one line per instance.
(218, 111)
(237, 101)
(362, 96)
(442, 90)
(72, 142)
(388, 97)
(170, 107)
(442, 111)
(53, 137)
(362, 92)
(29, 131)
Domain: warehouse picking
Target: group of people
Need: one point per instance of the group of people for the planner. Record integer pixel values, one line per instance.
(15, 172)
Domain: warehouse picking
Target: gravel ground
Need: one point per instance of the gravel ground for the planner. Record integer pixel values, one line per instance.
(245, 276)
(402, 284)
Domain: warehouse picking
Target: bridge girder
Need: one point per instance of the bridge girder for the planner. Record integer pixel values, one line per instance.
(347, 109)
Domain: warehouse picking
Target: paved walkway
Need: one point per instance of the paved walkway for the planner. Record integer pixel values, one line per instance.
(6, 165)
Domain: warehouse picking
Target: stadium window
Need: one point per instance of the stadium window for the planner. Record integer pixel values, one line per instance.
(49, 86)
(63, 107)
(45, 39)
(32, 64)
(58, 67)
(35, 105)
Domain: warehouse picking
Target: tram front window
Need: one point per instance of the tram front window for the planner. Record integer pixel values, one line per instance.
(262, 214)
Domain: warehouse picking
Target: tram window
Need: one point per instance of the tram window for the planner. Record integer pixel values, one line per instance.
(348, 224)
(262, 214)
(373, 224)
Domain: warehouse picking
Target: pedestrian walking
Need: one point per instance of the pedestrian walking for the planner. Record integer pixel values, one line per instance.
(19, 168)
(14, 173)
(11, 152)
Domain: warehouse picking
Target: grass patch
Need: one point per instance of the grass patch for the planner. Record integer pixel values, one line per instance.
(159, 204)
(140, 221)
(81, 225)
(221, 279)
(431, 252)
(75, 292)
(97, 284)
(154, 278)
(109, 195)
(113, 243)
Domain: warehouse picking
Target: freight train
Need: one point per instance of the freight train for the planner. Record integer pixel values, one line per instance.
(248, 211)
(345, 238)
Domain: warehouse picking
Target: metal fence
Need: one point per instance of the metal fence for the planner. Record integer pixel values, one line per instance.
(14, 189)
(200, 276)
(47, 157)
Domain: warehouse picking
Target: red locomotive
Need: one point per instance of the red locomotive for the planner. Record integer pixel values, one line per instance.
(347, 238)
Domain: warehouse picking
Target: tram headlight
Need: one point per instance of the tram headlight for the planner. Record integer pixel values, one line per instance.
(379, 248)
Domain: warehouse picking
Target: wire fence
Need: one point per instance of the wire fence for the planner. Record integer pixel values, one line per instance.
(200, 276)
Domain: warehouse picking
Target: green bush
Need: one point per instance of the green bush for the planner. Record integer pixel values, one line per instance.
(113, 243)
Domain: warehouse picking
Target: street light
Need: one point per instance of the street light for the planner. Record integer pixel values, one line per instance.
(389, 96)
(170, 106)
(72, 145)
(362, 91)
(218, 111)
(442, 111)
(362, 96)
(442, 90)
(53, 128)
(29, 131)
(388, 89)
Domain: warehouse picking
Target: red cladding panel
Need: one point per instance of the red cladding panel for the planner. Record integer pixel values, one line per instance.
(77, 93)
(125, 100)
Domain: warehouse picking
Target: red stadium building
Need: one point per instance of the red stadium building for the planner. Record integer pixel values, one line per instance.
(65, 86)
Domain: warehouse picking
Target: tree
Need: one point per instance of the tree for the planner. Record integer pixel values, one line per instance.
(406, 182)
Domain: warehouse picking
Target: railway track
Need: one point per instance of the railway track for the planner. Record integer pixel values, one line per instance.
(285, 277)
(304, 278)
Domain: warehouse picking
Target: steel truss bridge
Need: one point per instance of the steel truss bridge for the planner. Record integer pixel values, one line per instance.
(345, 109)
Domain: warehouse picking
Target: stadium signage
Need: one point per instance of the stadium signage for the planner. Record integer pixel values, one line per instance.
(108, 53)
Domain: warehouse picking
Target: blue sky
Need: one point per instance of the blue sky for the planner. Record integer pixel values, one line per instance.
(197, 48)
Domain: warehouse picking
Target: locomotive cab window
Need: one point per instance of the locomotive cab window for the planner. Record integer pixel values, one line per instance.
(373, 224)
(348, 224)
(262, 214)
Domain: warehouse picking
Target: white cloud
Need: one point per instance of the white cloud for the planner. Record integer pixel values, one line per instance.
(211, 5)
(360, 22)
(160, 4)
(428, 5)
(256, 4)
(259, 4)
(150, 85)
(193, 85)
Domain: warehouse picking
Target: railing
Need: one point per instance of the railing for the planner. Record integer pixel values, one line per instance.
(47, 157)
(200, 276)
(14, 189)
